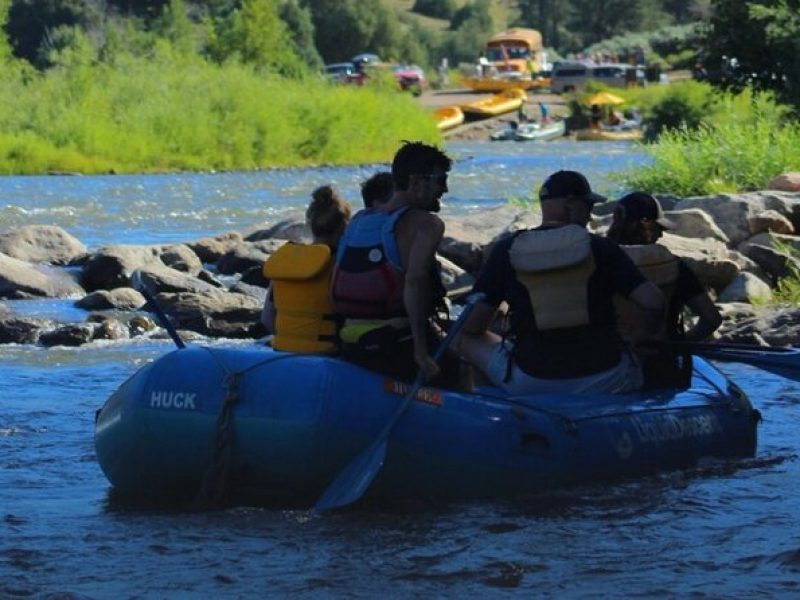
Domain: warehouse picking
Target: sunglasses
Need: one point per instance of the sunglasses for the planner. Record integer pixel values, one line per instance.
(440, 178)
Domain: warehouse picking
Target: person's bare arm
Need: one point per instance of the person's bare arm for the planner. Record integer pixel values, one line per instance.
(426, 231)
(268, 312)
(708, 317)
(653, 305)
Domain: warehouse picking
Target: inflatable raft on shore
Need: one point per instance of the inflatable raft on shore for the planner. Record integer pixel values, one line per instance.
(298, 420)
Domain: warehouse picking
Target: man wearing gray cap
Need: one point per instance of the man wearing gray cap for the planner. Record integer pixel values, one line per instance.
(558, 281)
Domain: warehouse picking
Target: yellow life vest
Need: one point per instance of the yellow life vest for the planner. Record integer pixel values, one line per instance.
(554, 265)
(659, 266)
(301, 276)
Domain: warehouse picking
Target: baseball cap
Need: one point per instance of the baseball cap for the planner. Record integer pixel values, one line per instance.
(639, 206)
(563, 184)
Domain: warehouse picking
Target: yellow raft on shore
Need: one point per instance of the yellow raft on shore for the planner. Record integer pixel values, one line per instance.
(609, 135)
(448, 117)
(499, 104)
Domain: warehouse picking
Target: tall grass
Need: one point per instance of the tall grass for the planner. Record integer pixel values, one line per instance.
(171, 112)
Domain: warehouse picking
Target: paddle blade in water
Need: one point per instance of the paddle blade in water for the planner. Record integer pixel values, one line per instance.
(351, 483)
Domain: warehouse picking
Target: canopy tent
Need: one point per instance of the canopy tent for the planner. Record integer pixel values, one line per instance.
(601, 98)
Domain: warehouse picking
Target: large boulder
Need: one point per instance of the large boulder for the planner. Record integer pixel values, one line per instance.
(291, 228)
(773, 263)
(467, 239)
(74, 334)
(181, 258)
(787, 182)
(714, 264)
(247, 255)
(746, 287)
(117, 299)
(41, 243)
(210, 249)
(732, 212)
(157, 279)
(16, 329)
(215, 313)
(770, 221)
(777, 326)
(695, 223)
(111, 266)
(19, 279)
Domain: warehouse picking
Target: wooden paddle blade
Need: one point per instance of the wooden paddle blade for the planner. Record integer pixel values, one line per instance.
(354, 481)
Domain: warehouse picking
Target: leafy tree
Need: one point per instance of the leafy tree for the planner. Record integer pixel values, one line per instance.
(174, 25)
(301, 28)
(31, 22)
(140, 8)
(756, 42)
(601, 19)
(5, 47)
(255, 34)
(438, 9)
(473, 25)
(345, 28)
(477, 11)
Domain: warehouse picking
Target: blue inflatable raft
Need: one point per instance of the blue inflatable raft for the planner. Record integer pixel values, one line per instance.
(297, 420)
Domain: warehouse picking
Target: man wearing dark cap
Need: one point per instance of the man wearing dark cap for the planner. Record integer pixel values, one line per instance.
(639, 222)
(558, 281)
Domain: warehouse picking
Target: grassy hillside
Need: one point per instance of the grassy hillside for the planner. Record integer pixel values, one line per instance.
(502, 11)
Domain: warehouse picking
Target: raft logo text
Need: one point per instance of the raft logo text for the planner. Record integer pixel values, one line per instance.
(172, 400)
(672, 428)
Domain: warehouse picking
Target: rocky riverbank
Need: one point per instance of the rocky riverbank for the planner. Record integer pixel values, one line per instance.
(213, 287)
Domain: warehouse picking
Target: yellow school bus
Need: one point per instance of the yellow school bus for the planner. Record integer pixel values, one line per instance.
(509, 59)
(515, 52)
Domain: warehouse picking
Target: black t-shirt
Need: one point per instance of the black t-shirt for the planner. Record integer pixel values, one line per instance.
(567, 352)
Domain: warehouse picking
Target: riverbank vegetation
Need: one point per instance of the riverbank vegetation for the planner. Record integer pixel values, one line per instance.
(181, 113)
(713, 142)
(146, 100)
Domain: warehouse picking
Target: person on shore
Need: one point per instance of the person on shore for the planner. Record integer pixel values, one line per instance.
(297, 309)
(544, 112)
(638, 224)
(558, 281)
(377, 190)
(386, 281)
(595, 116)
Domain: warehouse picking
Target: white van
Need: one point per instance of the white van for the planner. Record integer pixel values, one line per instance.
(618, 74)
(569, 76)
(572, 76)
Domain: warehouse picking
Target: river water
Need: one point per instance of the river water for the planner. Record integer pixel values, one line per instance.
(719, 530)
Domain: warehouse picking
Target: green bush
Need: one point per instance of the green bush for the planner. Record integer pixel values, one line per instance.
(743, 143)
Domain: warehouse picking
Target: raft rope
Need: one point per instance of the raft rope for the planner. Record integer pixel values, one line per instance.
(215, 478)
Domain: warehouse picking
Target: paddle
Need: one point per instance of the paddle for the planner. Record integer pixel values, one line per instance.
(356, 478)
(782, 361)
(152, 306)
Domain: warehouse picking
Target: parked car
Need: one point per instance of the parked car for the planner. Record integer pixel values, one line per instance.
(410, 77)
(362, 60)
(344, 72)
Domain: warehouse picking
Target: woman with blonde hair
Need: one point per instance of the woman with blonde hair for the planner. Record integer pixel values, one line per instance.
(297, 309)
